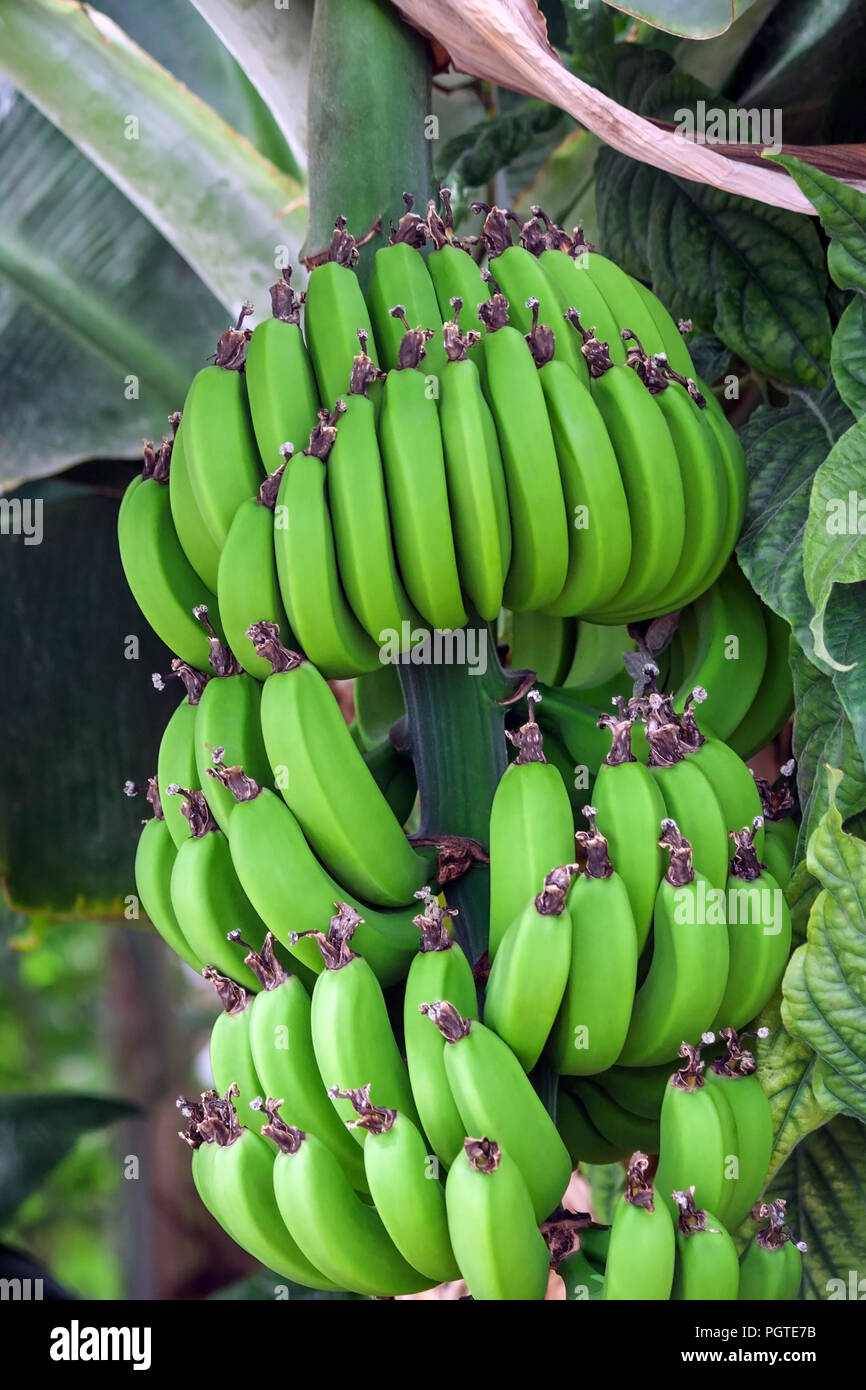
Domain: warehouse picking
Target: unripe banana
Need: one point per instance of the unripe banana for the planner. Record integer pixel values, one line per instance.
(293, 893)
(494, 1231)
(410, 439)
(177, 761)
(637, 1089)
(160, 577)
(492, 1093)
(670, 339)
(196, 541)
(233, 1170)
(336, 1229)
(774, 703)
(326, 783)
(279, 376)
(575, 725)
(593, 1020)
(405, 1187)
(629, 809)
(206, 893)
(334, 310)
(621, 1127)
(686, 978)
(759, 935)
(731, 651)
(688, 794)
(440, 970)
(231, 1058)
(733, 1076)
(564, 260)
(400, 276)
(543, 643)
(583, 1282)
(697, 1137)
(642, 1249)
(706, 1267)
(281, 1044)
(531, 970)
(531, 827)
(352, 1035)
(454, 272)
(771, 1266)
(581, 1138)
(247, 585)
(726, 772)
(395, 777)
(154, 861)
(218, 440)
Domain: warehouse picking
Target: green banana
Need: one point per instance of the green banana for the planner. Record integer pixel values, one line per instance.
(405, 1187)
(702, 472)
(557, 755)
(281, 1044)
(233, 1170)
(334, 310)
(378, 704)
(454, 272)
(629, 809)
(477, 493)
(531, 970)
(583, 1282)
(281, 387)
(539, 524)
(291, 890)
(440, 970)
(334, 1227)
(618, 1125)
(774, 703)
(689, 795)
(394, 775)
(642, 1249)
(771, 1266)
(352, 1036)
(637, 1089)
(564, 260)
(697, 1136)
(563, 714)
(706, 1266)
(231, 1059)
(595, 500)
(531, 827)
(544, 644)
(593, 1019)
(410, 439)
(326, 783)
(597, 656)
(206, 893)
(154, 861)
(218, 440)
(197, 543)
(176, 761)
(775, 857)
(626, 304)
(360, 517)
(650, 473)
(733, 1076)
(160, 577)
(247, 586)
(670, 340)
(686, 978)
(759, 934)
(726, 772)
(493, 1093)
(732, 651)
(400, 276)
(581, 1138)
(227, 719)
(315, 604)
(521, 278)
(494, 1232)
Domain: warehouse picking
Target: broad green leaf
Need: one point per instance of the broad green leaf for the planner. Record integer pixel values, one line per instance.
(824, 1183)
(822, 735)
(476, 156)
(710, 356)
(590, 38)
(36, 1132)
(786, 1068)
(834, 542)
(824, 989)
(799, 39)
(800, 893)
(784, 449)
(749, 273)
(271, 43)
(846, 637)
(692, 19)
(565, 184)
(842, 210)
(79, 713)
(714, 60)
(848, 356)
(101, 324)
(221, 205)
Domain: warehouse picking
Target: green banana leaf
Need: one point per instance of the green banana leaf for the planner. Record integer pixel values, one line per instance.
(824, 1184)
(692, 19)
(271, 43)
(102, 324)
(222, 206)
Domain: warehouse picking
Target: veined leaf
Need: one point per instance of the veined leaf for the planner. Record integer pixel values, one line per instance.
(842, 210)
(834, 542)
(786, 1067)
(822, 734)
(206, 189)
(691, 19)
(824, 989)
(848, 356)
(824, 1183)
